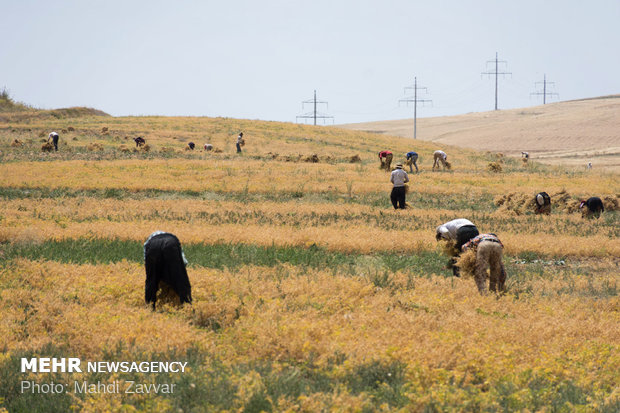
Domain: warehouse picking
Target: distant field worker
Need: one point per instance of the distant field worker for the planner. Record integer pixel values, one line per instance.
(53, 136)
(592, 207)
(489, 251)
(165, 262)
(525, 155)
(208, 147)
(543, 203)
(399, 178)
(440, 157)
(139, 141)
(191, 146)
(240, 142)
(458, 231)
(385, 157)
(412, 160)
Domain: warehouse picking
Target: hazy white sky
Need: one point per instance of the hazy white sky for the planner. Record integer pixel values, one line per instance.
(260, 59)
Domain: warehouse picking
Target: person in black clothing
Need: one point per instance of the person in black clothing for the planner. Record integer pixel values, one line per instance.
(139, 141)
(54, 137)
(593, 207)
(543, 203)
(164, 261)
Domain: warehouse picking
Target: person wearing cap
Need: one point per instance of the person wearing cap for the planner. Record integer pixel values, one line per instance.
(458, 231)
(240, 142)
(54, 137)
(399, 178)
(412, 159)
(385, 157)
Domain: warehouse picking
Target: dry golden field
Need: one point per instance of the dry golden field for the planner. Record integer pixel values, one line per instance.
(310, 292)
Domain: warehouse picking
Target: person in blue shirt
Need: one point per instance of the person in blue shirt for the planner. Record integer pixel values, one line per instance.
(412, 159)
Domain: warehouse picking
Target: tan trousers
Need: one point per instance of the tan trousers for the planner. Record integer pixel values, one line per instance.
(489, 257)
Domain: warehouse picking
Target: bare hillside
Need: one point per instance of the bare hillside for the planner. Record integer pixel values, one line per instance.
(571, 133)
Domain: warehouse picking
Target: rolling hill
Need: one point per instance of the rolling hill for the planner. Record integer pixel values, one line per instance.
(571, 133)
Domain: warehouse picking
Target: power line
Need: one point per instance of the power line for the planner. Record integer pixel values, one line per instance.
(544, 92)
(314, 114)
(496, 73)
(415, 101)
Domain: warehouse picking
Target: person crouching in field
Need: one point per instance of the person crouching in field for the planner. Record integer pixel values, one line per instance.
(385, 157)
(165, 262)
(543, 203)
(139, 141)
(456, 232)
(399, 178)
(593, 207)
(440, 157)
(412, 160)
(54, 138)
(488, 251)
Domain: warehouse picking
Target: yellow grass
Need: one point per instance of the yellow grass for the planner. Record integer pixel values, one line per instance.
(441, 329)
(556, 322)
(135, 219)
(324, 312)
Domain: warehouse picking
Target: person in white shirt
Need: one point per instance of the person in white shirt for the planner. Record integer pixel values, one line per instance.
(54, 137)
(439, 157)
(240, 142)
(459, 231)
(399, 178)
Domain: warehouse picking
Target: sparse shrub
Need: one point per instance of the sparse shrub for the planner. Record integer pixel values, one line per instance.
(71, 129)
(16, 143)
(104, 130)
(47, 147)
(355, 159)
